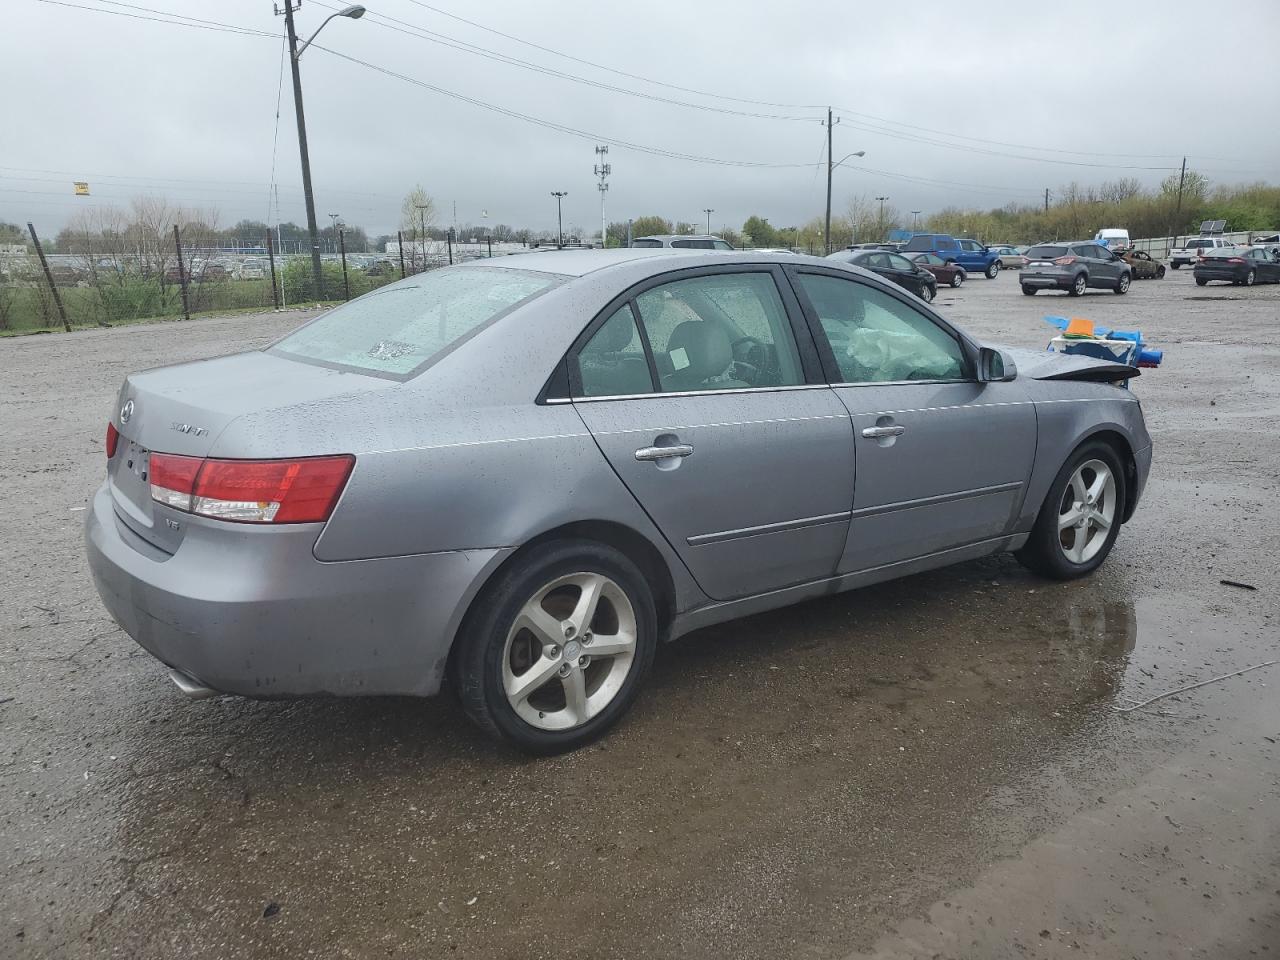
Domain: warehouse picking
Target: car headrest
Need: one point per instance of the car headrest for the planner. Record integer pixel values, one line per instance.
(615, 336)
(699, 350)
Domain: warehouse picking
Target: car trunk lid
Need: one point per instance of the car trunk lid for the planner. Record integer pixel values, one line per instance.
(183, 410)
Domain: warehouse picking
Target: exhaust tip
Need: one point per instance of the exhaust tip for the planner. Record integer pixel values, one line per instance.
(192, 687)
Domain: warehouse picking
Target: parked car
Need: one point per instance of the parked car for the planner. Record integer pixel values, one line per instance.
(682, 242)
(1194, 248)
(209, 273)
(970, 254)
(895, 267)
(1074, 267)
(952, 274)
(1143, 265)
(1243, 266)
(253, 270)
(1011, 258)
(381, 268)
(526, 478)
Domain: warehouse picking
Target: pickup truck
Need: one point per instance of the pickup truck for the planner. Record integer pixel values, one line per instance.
(1194, 248)
(975, 257)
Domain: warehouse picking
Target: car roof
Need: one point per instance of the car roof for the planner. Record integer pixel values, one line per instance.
(578, 263)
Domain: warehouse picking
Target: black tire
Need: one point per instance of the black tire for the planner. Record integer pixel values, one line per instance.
(1079, 285)
(1160, 272)
(1250, 277)
(1201, 281)
(1028, 291)
(1122, 285)
(928, 292)
(476, 664)
(1176, 265)
(957, 278)
(993, 270)
(1043, 552)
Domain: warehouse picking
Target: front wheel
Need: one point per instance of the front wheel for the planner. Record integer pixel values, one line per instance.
(554, 651)
(1080, 518)
(928, 292)
(957, 278)
(1201, 281)
(1160, 272)
(993, 269)
(1122, 285)
(1028, 291)
(1250, 277)
(1079, 286)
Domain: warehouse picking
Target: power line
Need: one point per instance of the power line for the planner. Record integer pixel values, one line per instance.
(186, 22)
(431, 36)
(562, 128)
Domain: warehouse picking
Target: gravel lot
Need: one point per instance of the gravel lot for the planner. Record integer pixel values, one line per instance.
(930, 768)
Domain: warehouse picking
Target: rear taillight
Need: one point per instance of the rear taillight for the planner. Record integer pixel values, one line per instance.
(251, 491)
(1065, 261)
(1235, 259)
(113, 439)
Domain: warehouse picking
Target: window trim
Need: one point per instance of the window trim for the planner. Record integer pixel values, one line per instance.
(811, 366)
(968, 349)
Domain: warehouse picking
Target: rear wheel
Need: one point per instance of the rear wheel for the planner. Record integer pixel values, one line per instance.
(1250, 277)
(1079, 285)
(1122, 285)
(1080, 518)
(555, 650)
(993, 269)
(1176, 265)
(1028, 290)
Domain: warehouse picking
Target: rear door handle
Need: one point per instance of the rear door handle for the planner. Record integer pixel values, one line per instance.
(665, 453)
(875, 433)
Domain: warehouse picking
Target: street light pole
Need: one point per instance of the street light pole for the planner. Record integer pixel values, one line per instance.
(830, 167)
(881, 221)
(915, 219)
(708, 211)
(334, 229)
(295, 52)
(422, 219)
(559, 195)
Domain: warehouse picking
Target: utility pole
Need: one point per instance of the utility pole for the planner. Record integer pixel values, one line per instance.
(602, 170)
(1046, 199)
(1182, 178)
(915, 219)
(355, 12)
(826, 233)
(881, 224)
(708, 211)
(559, 195)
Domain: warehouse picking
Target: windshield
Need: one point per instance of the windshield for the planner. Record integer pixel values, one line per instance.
(399, 329)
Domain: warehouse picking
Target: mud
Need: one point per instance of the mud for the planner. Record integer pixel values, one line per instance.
(929, 768)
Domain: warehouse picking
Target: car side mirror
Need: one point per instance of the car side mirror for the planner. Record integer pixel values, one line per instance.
(996, 366)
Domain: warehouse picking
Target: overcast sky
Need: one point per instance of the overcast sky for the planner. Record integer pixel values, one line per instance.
(134, 106)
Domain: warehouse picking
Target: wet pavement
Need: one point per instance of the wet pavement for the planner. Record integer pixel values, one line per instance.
(935, 767)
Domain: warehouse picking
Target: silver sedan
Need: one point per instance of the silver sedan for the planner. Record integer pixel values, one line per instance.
(523, 475)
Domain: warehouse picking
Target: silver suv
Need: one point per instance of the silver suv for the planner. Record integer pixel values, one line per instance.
(1073, 266)
(683, 242)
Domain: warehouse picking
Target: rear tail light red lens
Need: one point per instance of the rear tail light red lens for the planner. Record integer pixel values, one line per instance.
(1065, 261)
(251, 491)
(113, 439)
(1235, 259)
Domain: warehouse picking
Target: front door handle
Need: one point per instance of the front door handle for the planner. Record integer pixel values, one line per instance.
(876, 433)
(665, 453)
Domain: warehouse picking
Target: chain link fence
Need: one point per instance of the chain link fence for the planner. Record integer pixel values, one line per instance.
(170, 277)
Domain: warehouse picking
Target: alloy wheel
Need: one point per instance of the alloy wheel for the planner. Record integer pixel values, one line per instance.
(1087, 511)
(569, 651)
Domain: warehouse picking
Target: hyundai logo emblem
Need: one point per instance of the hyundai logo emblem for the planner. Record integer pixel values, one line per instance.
(126, 412)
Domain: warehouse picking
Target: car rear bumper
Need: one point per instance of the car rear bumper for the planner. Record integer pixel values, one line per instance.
(1219, 273)
(1058, 281)
(256, 614)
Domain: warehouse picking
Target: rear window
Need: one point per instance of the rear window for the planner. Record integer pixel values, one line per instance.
(399, 329)
(1046, 252)
(1198, 244)
(646, 243)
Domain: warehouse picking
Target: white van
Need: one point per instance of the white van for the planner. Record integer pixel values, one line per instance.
(1112, 238)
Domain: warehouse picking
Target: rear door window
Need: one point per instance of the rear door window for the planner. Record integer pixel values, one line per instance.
(612, 363)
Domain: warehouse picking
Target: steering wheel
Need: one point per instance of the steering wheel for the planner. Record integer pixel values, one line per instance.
(750, 371)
